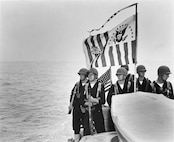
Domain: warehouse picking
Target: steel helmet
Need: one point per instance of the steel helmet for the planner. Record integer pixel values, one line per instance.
(163, 70)
(83, 71)
(121, 70)
(126, 67)
(94, 71)
(141, 68)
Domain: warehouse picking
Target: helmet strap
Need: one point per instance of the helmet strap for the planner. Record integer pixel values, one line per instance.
(84, 80)
(160, 79)
(141, 78)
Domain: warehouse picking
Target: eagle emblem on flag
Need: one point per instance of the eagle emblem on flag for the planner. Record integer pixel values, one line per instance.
(95, 50)
(119, 34)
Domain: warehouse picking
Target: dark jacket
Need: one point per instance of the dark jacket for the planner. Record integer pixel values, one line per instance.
(78, 95)
(145, 86)
(97, 114)
(101, 95)
(116, 89)
(166, 89)
(78, 91)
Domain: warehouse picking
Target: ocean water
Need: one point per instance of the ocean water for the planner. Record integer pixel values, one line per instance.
(34, 99)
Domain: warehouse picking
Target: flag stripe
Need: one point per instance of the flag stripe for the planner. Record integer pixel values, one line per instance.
(106, 79)
(106, 37)
(91, 47)
(96, 61)
(88, 50)
(106, 41)
(93, 44)
(92, 41)
(102, 49)
(111, 56)
(107, 89)
(108, 84)
(118, 54)
(100, 45)
(126, 52)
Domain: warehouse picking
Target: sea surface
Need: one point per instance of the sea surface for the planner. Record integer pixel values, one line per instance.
(34, 99)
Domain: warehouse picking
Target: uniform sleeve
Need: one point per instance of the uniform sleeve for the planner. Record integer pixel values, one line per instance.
(109, 96)
(149, 88)
(102, 95)
(171, 92)
(131, 89)
(76, 100)
(82, 96)
(72, 91)
(153, 86)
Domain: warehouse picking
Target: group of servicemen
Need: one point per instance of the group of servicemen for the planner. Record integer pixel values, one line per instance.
(88, 95)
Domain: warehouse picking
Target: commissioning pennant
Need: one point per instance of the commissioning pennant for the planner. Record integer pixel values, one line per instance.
(114, 47)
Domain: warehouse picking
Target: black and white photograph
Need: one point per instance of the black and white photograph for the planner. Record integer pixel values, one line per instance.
(86, 71)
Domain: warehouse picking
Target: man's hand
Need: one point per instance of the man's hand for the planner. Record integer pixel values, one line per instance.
(78, 95)
(70, 107)
(94, 100)
(88, 103)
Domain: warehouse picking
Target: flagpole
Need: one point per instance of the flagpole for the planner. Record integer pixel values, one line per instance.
(136, 40)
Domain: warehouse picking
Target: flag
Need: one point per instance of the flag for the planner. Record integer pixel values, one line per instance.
(114, 47)
(106, 79)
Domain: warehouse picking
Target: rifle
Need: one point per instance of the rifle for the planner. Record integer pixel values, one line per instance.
(72, 100)
(91, 124)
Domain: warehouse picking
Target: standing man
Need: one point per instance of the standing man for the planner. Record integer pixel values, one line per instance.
(76, 100)
(129, 77)
(161, 85)
(143, 83)
(121, 86)
(94, 99)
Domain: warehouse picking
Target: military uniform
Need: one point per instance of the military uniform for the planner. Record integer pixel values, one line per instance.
(97, 114)
(97, 92)
(166, 89)
(142, 83)
(162, 86)
(144, 86)
(78, 115)
(116, 90)
(76, 103)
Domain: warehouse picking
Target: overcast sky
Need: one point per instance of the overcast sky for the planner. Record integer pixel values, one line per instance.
(37, 30)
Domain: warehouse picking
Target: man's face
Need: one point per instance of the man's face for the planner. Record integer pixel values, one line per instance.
(91, 77)
(120, 76)
(141, 73)
(82, 77)
(165, 77)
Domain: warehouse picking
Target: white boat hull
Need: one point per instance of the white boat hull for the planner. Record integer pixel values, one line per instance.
(143, 117)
